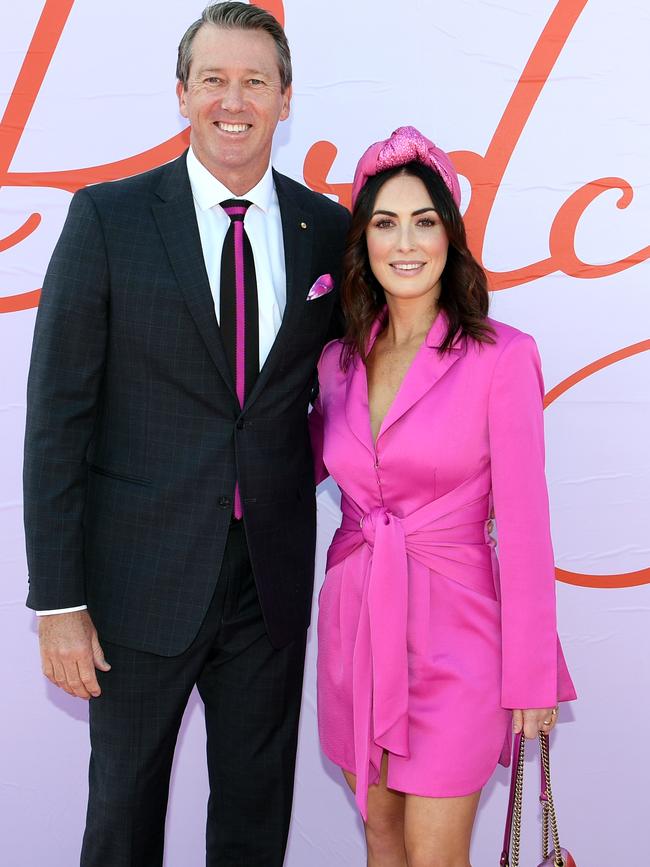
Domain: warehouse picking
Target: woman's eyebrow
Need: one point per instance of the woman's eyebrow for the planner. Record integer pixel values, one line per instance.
(414, 214)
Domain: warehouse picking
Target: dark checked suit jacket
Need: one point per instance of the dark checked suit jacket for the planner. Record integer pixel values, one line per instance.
(134, 434)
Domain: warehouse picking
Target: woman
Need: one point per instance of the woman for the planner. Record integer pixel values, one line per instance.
(430, 420)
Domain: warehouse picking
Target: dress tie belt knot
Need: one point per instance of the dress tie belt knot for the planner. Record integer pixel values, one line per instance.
(448, 535)
(370, 520)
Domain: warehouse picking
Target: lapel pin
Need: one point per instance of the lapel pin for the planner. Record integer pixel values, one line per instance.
(303, 225)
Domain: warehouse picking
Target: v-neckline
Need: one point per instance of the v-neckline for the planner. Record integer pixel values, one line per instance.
(374, 440)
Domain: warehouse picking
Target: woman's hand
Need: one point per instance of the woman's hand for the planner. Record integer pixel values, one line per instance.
(534, 720)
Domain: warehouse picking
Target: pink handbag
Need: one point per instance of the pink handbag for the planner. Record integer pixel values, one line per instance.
(558, 857)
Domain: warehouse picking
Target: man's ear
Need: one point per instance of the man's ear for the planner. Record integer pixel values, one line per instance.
(180, 93)
(286, 105)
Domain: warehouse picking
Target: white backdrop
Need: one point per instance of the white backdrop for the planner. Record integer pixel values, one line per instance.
(545, 107)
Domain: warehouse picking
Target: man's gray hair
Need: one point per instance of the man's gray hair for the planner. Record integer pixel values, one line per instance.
(236, 16)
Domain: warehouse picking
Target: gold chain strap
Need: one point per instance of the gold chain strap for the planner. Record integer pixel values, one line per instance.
(545, 830)
(548, 807)
(516, 810)
(548, 811)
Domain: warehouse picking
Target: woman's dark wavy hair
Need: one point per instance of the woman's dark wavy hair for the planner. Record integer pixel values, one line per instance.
(464, 293)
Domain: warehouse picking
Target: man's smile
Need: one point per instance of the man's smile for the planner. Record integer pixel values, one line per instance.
(233, 128)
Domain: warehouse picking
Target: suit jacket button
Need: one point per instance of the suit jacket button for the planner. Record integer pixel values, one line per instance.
(241, 424)
(224, 501)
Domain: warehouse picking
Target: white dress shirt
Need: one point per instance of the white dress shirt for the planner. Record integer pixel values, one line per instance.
(264, 229)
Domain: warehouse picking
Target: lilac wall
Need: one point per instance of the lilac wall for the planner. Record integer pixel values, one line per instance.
(450, 69)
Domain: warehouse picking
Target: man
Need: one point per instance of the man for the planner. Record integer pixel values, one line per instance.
(169, 493)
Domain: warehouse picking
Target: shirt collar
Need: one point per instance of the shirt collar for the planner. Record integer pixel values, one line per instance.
(208, 191)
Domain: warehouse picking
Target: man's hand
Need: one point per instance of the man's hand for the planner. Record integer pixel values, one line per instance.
(70, 652)
(534, 720)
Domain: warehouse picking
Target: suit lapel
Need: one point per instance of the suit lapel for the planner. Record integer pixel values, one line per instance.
(298, 239)
(176, 219)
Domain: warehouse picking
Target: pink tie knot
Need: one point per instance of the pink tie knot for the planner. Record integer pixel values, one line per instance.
(236, 209)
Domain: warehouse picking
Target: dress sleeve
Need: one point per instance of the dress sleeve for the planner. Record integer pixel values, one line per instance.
(317, 417)
(316, 434)
(526, 561)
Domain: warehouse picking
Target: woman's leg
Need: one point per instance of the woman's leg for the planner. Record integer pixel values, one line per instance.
(385, 825)
(437, 831)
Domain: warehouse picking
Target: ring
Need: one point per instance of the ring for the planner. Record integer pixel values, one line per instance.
(547, 722)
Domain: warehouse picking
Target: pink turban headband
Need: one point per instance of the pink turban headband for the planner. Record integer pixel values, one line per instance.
(405, 145)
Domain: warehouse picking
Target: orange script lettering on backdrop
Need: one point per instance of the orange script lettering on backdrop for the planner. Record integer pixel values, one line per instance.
(43, 45)
(485, 174)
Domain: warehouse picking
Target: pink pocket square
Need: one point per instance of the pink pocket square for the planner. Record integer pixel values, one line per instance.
(321, 287)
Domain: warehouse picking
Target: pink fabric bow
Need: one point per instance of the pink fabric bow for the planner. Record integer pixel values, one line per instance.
(323, 285)
(405, 145)
(448, 536)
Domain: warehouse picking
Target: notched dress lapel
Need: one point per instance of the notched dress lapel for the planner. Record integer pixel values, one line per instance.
(357, 408)
(427, 368)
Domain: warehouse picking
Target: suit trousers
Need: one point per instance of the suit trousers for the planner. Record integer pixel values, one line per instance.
(251, 692)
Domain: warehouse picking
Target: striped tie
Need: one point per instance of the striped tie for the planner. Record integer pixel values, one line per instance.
(238, 313)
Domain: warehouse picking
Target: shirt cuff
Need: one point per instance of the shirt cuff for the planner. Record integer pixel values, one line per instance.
(61, 610)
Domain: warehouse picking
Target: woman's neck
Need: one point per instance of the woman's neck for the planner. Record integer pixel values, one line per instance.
(409, 320)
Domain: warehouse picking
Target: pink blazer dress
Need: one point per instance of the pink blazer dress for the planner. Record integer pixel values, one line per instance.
(426, 641)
